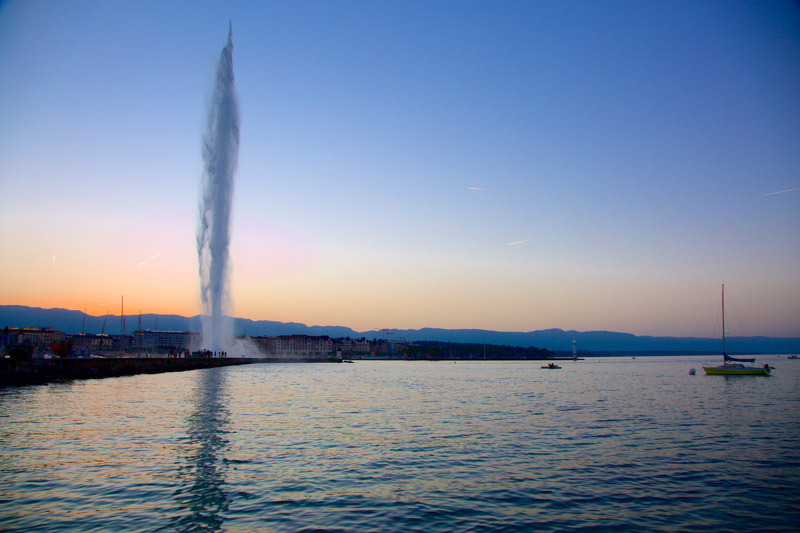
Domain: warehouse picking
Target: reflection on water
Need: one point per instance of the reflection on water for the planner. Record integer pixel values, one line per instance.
(201, 498)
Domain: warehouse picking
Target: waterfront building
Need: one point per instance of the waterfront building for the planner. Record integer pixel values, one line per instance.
(343, 346)
(361, 347)
(41, 339)
(303, 345)
(265, 343)
(295, 345)
(164, 341)
(91, 344)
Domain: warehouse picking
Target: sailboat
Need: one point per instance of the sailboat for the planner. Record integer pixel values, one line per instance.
(732, 366)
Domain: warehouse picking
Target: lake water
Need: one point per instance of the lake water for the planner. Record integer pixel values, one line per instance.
(601, 444)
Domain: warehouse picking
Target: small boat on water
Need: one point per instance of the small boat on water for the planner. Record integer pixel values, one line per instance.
(792, 357)
(552, 366)
(731, 366)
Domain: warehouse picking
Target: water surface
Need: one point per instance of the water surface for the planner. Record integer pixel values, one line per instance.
(620, 443)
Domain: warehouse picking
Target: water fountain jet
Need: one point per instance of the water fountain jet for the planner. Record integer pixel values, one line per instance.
(220, 156)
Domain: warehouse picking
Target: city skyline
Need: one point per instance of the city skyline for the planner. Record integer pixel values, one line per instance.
(515, 167)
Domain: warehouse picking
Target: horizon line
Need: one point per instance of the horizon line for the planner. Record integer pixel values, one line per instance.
(377, 330)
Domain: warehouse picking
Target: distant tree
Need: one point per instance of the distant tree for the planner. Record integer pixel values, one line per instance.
(411, 352)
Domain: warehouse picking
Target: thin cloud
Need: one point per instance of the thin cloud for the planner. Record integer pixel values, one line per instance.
(150, 259)
(514, 243)
(475, 189)
(781, 192)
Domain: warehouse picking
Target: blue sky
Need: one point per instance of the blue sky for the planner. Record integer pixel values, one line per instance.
(500, 165)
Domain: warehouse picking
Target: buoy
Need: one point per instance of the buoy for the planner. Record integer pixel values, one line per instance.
(691, 372)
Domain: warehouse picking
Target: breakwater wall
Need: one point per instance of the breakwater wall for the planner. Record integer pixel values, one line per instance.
(36, 371)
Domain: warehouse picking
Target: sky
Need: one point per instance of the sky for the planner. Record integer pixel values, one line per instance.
(513, 165)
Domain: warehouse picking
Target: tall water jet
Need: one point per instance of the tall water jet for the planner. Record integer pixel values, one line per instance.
(220, 155)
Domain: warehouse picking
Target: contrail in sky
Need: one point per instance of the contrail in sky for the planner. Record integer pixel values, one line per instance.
(148, 260)
(514, 243)
(781, 192)
(475, 189)
(54, 262)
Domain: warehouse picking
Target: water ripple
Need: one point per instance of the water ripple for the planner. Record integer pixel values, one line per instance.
(404, 447)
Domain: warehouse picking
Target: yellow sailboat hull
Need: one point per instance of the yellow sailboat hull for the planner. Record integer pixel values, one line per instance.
(735, 371)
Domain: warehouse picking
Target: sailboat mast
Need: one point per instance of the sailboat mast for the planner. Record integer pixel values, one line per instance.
(723, 320)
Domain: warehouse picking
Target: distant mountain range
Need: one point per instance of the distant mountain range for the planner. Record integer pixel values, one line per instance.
(551, 339)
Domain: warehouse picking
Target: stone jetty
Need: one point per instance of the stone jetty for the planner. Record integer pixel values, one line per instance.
(30, 371)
